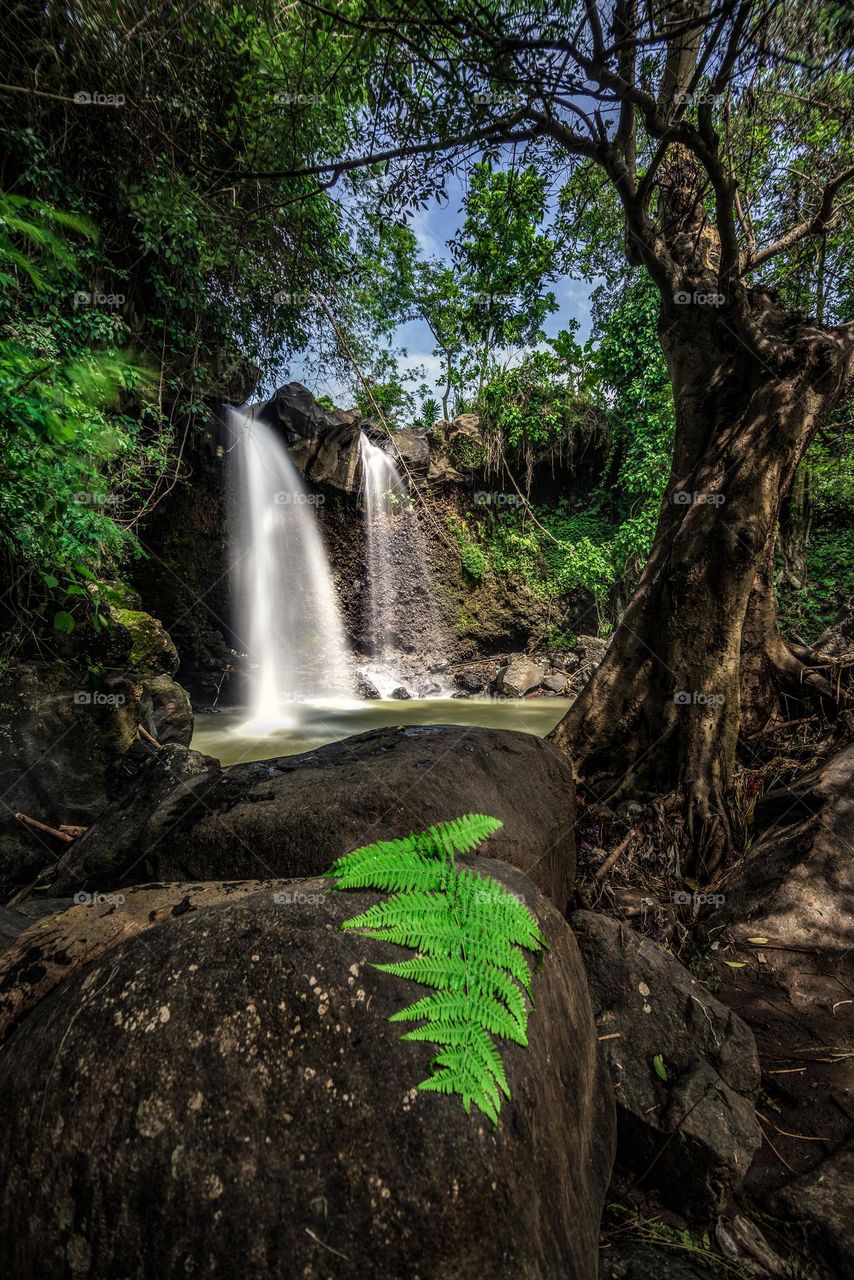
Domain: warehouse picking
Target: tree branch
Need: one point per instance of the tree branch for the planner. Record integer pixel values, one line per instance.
(821, 221)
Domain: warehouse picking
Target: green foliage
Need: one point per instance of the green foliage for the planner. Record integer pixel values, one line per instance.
(494, 295)
(830, 583)
(472, 556)
(74, 461)
(470, 935)
(536, 408)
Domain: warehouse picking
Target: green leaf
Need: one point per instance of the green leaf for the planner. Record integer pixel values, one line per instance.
(471, 936)
(660, 1069)
(63, 622)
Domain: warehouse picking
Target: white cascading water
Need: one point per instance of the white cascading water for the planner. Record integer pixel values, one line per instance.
(382, 486)
(400, 591)
(288, 617)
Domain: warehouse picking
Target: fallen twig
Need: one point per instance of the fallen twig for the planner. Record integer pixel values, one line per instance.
(57, 832)
(147, 737)
(612, 857)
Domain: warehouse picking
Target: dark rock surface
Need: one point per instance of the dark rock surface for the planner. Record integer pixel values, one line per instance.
(63, 740)
(693, 1134)
(166, 711)
(188, 818)
(787, 923)
(224, 1096)
(822, 1201)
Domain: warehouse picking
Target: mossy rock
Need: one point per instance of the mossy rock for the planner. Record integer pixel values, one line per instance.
(152, 649)
(466, 453)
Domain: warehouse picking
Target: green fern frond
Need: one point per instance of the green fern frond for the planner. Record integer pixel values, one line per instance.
(471, 936)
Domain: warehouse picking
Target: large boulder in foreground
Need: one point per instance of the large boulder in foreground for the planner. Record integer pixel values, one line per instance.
(685, 1067)
(224, 1096)
(292, 816)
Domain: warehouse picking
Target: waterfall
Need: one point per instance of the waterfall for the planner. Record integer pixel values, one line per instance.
(287, 613)
(381, 490)
(405, 629)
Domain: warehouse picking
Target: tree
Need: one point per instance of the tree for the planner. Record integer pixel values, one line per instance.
(649, 94)
(493, 297)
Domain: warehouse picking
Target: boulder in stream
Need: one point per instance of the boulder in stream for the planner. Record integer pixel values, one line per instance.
(521, 676)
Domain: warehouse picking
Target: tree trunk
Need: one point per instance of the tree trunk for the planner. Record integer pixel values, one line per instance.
(794, 526)
(662, 712)
(779, 675)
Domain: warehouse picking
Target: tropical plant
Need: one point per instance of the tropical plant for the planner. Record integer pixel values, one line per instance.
(471, 935)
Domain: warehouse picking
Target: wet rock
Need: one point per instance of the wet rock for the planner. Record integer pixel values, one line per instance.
(475, 677)
(256, 1111)
(366, 688)
(294, 814)
(685, 1067)
(324, 443)
(521, 676)
(412, 448)
(400, 694)
(166, 711)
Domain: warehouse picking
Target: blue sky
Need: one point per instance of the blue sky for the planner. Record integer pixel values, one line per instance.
(433, 228)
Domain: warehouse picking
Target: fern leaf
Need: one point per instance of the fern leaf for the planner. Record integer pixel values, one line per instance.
(471, 936)
(420, 848)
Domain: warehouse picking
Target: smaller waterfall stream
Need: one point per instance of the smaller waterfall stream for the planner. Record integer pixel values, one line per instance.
(405, 630)
(288, 618)
(382, 489)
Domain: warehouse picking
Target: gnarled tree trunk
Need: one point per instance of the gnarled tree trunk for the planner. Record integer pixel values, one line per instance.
(662, 713)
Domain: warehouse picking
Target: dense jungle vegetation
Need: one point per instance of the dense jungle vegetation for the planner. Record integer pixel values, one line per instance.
(190, 204)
